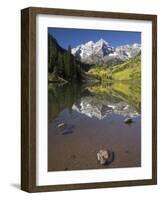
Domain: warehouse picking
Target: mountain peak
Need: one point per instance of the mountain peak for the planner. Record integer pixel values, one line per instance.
(89, 43)
(101, 40)
(136, 45)
(102, 52)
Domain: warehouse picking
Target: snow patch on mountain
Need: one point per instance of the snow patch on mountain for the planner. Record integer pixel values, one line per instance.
(103, 52)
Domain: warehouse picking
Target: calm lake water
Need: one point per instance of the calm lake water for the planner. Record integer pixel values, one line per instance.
(82, 119)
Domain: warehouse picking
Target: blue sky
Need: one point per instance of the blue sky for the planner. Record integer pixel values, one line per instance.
(74, 37)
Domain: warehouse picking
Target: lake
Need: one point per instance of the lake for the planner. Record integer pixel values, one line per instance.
(84, 118)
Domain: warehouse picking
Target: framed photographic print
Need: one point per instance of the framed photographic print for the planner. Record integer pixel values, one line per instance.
(89, 99)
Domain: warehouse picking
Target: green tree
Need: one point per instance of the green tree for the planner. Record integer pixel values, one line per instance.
(60, 65)
(68, 63)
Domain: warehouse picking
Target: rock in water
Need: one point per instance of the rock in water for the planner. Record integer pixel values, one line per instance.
(61, 125)
(67, 131)
(103, 156)
(128, 120)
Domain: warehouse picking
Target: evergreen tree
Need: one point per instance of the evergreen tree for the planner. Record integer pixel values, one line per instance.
(69, 49)
(68, 64)
(60, 65)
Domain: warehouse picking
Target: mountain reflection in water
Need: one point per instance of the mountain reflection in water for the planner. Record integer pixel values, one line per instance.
(82, 119)
(96, 100)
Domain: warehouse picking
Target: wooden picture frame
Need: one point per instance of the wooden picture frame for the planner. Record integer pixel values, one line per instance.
(28, 98)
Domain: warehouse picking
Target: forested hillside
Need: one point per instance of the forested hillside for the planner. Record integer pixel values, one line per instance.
(129, 70)
(62, 66)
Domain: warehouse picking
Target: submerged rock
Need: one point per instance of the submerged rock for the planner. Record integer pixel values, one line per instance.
(67, 131)
(128, 120)
(103, 156)
(61, 125)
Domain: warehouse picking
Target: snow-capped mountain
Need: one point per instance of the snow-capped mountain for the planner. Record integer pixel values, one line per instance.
(128, 51)
(101, 52)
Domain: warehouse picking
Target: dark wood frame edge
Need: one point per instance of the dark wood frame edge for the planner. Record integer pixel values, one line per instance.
(28, 98)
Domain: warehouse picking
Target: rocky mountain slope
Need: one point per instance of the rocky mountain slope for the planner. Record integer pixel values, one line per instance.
(101, 52)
